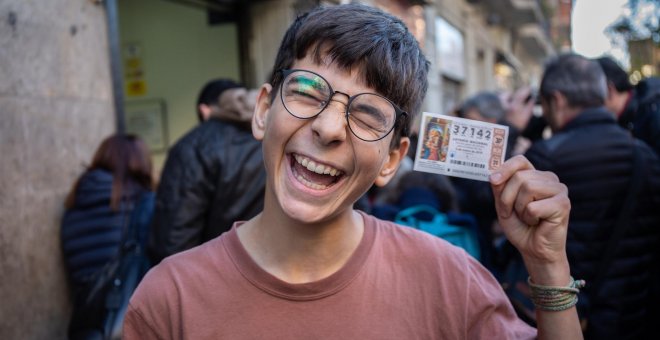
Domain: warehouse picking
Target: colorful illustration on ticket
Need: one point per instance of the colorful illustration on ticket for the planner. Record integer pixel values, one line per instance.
(436, 139)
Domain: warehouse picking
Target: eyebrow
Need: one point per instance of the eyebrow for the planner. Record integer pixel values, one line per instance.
(372, 110)
(316, 82)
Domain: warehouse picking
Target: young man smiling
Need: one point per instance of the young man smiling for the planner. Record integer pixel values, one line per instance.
(333, 122)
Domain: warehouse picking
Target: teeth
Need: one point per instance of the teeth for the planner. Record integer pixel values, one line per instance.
(311, 166)
(318, 168)
(310, 184)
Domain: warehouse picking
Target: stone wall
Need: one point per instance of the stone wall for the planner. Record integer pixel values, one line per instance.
(55, 108)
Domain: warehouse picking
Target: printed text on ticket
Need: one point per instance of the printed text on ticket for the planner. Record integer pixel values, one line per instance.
(460, 147)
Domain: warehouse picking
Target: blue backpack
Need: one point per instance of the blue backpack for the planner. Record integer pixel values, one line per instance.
(428, 219)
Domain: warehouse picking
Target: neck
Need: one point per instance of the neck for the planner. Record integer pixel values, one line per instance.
(298, 252)
(563, 117)
(621, 100)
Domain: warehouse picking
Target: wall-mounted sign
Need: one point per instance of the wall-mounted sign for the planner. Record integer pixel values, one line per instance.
(450, 49)
(147, 119)
(134, 82)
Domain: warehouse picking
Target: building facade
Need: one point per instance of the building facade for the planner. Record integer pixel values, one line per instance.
(56, 106)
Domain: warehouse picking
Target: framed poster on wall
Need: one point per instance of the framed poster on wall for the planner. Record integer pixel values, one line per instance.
(147, 119)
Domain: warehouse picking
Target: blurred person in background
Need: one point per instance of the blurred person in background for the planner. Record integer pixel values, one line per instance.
(235, 102)
(213, 176)
(95, 207)
(637, 107)
(613, 184)
(522, 113)
(487, 107)
(98, 207)
(416, 187)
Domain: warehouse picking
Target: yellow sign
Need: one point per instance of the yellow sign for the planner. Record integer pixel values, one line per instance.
(134, 83)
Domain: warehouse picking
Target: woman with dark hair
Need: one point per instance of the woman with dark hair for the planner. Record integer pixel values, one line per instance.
(100, 203)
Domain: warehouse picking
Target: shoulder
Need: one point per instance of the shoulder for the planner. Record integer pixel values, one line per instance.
(414, 249)
(93, 192)
(198, 147)
(176, 283)
(651, 158)
(540, 154)
(467, 287)
(201, 134)
(438, 267)
(179, 271)
(94, 179)
(186, 266)
(648, 90)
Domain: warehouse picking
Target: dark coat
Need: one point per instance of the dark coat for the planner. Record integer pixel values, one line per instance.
(213, 177)
(642, 113)
(91, 231)
(594, 156)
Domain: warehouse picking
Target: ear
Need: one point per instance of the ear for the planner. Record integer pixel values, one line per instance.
(611, 90)
(205, 110)
(394, 158)
(558, 102)
(261, 111)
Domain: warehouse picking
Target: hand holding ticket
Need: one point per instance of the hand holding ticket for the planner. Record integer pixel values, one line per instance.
(460, 147)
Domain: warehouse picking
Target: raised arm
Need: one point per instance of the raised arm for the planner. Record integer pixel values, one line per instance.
(533, 210)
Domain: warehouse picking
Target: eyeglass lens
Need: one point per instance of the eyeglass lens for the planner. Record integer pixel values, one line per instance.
(306, 94)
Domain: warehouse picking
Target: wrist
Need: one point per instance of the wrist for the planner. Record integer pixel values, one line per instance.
(557, 273)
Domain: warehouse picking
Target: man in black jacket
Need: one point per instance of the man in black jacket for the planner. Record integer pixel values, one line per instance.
(637, 107)
(213, 176)
(595, 158)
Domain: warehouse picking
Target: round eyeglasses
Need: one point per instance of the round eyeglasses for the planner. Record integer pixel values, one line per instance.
(370, 116)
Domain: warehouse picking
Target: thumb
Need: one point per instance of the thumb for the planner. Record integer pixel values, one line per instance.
(497, 184)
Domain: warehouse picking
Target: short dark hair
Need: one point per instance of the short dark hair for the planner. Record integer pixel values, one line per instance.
(579, 79)
(355, 35)
(615, 74)
(487, 103)
(210, 93)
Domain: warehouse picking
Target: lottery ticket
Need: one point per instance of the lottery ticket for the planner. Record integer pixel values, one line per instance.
(460, 147)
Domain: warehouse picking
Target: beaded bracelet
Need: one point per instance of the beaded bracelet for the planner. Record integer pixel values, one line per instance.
(552, 298)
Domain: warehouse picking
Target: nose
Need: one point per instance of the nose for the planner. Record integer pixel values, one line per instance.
(330, 126)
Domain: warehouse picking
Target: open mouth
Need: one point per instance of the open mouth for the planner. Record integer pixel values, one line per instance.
(314, 175)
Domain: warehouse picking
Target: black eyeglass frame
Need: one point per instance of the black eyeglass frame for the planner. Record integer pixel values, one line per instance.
(398, 112)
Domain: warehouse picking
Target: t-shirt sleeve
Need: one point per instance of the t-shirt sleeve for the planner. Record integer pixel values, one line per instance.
(136, 327)
(153, 309)
(490, 314)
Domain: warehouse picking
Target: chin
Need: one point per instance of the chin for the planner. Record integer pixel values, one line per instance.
(303, 213)
(306, 213)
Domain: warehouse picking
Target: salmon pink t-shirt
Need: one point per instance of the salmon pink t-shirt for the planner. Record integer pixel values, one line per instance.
(398, 284)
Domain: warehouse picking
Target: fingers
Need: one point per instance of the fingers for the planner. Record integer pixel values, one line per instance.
(527, 192)
(521, 94)
(518, 109)
(508, 169)
(554, 209)
(505, 99)
(501, 177)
